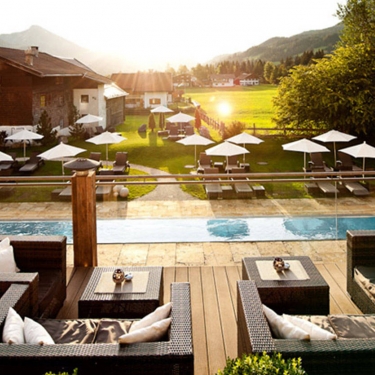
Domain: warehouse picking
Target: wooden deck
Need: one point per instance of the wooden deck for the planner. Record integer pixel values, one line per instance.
(214, 306)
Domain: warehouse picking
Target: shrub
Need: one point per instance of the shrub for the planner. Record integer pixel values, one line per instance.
(255, 364)
(75, 372)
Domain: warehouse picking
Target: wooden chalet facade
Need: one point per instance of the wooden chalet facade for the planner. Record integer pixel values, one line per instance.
(222, 80)
(32, 81)
(146, 90)
(246, 79)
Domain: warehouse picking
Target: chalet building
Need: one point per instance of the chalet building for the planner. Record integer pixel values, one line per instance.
(32, 81)
(246, 79)
(222, 80)
(146, 90)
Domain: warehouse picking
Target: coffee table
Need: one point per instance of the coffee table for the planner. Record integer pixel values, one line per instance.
(121, 305)
(308, 295)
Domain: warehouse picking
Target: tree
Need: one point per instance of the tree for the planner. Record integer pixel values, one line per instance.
(77, 131)
(338, 91)
(44, 128)
(151, 122)
(198, 121)
(236, 127)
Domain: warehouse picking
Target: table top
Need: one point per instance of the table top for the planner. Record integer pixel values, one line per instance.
(250, 271)
(152, 292)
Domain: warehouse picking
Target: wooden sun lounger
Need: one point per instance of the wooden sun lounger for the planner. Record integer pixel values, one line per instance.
(327, 187)
(243, 190)
(356, 188)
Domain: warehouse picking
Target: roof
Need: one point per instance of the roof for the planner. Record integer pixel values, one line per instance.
(144, 82)
(222, 76)
(112, 91)
(45, 65)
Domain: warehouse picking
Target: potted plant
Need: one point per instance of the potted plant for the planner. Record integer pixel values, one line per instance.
(263, 364)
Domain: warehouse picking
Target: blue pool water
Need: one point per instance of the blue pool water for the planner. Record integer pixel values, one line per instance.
(201, 230)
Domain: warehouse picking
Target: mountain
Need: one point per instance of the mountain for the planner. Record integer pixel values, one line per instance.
(278, 48)
(53, 44)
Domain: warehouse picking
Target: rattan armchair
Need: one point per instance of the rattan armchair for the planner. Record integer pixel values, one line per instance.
(174, 356)
(360, 251)
(320, 357)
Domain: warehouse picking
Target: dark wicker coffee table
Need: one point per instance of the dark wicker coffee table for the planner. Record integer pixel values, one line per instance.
(309, 296)
(124, 305)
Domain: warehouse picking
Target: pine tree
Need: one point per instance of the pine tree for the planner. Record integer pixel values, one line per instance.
(44, 128)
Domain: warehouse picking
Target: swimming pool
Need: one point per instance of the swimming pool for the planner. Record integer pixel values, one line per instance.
(201, 230)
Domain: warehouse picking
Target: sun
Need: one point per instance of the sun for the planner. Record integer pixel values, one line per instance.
(224, 109)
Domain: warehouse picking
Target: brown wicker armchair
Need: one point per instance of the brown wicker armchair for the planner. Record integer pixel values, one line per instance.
(360, 252)
(343, 356)
(173, 356)
(45, 255)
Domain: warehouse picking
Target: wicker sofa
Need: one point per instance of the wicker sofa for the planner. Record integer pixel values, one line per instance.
(172, 356)
(343, 356)
(360, 252)
(45, 255)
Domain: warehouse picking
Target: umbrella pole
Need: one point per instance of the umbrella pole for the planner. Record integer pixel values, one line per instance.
(244, 155)
(195, 156)
(24, 151)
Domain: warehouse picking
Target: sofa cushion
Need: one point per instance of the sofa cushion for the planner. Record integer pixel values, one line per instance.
(154, 332)
(162, 312)
(109, 330)
(353, 326)
(365, 276)
(36, 333)
(13, 328)
(7, 261)
(281, 328)
(315, 332)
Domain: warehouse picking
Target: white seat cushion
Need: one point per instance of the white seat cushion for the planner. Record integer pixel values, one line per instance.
(160, 313)
(7, 262)
(36, 333)
(13, 328)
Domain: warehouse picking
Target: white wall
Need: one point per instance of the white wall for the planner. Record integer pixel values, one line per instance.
(163, 96)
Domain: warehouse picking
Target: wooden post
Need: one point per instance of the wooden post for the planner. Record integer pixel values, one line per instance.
(84, 219)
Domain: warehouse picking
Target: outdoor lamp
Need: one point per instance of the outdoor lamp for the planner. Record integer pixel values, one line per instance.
(82, 166)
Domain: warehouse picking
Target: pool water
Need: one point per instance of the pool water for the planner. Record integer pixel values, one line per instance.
(201, 230)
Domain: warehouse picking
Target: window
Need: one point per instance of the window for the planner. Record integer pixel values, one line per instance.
(155, 101)
(42, 101)
(84, 98)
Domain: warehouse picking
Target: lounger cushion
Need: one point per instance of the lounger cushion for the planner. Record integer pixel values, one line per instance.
(281, 328)
(315, 332)
(365, 276)
(353, 326)
(155, 332)
(36, 333)
(162, 312)
(7, 262)
(13, 328)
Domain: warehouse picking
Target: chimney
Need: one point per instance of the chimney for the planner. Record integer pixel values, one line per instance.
(30, 53)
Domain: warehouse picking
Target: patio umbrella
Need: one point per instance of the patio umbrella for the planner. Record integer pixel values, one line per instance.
(60, 152)
(334, 136)
(24, 136)
(88, 119)
(180, 117)
(226, 149)
(195, 140)
(304, 145)
(161, 109)
(244, 138)
(5, 157)
(106, 138)
(362, 150)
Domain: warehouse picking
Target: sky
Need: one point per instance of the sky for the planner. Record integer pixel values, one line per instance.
(166, 33)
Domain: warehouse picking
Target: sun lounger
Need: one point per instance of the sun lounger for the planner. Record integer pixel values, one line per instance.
(327, 187)
(121, 163)
(204, 162)
(356, 188)
(345, 163)
(32, 164)
(242, 189)
(214, 190)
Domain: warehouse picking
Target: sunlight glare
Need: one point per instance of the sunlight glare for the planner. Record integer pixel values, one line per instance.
(224, 109)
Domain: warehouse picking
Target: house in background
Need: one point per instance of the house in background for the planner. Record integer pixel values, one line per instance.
(146, 90)
(32, 81)
(222, 80)
(246, 79)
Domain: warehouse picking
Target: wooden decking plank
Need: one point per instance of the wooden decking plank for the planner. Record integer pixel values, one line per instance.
(215, 345)
(198, 322)
(233, 276)
(181, 274)
(168, 278)
(342, 299)
(227, 313)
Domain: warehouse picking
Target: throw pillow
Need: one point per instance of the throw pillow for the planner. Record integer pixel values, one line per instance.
(13, 328)
(281, 328)
(151, 333)
(160, 313)
(7, 262)
(36, 333)
(315, 332)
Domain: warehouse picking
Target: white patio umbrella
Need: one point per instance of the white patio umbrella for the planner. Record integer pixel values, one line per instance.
(161, 109)
(334, 136)
(61, 152)
(89, 119)
(106, 138)
(306, 146)
(226, 149)
(362, 150)
(244, 138)
(180, 117)
(195, 140)
(24, 136)
(5, 157)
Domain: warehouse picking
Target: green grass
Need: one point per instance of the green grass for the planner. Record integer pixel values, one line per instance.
(250, 105)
